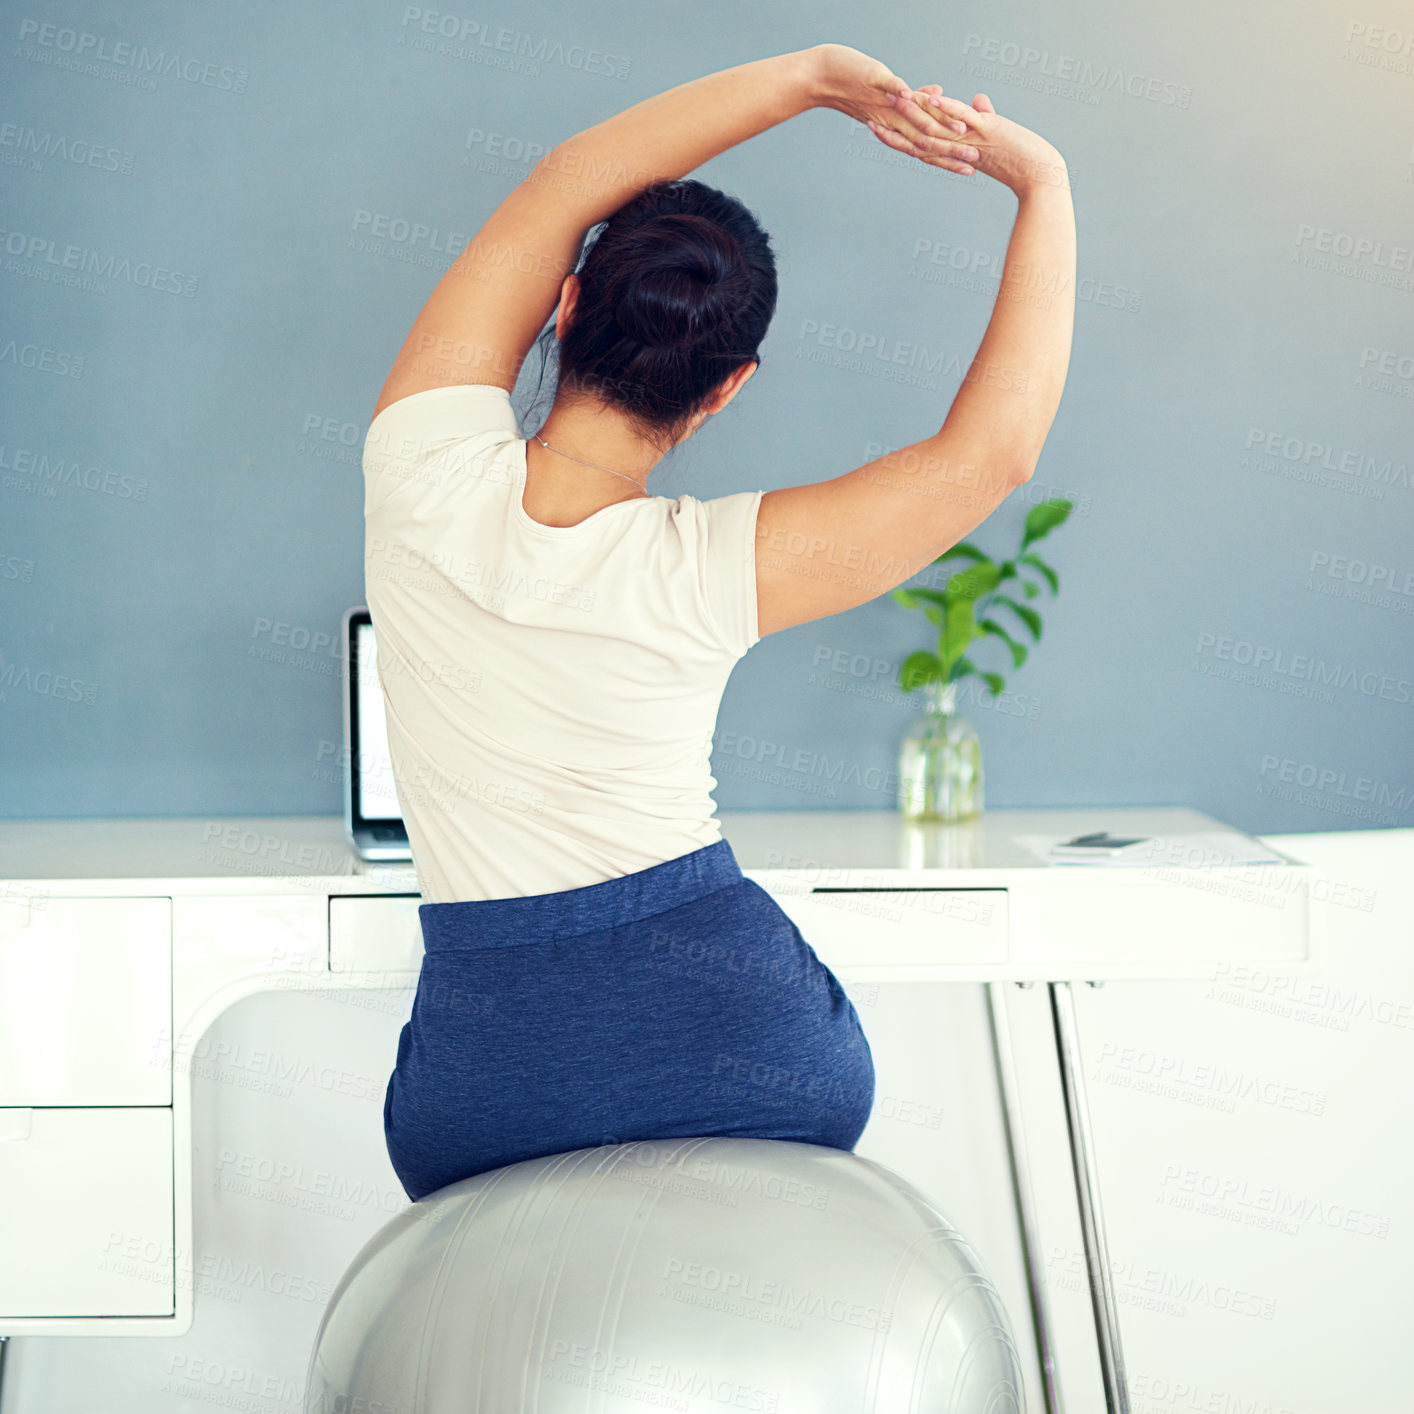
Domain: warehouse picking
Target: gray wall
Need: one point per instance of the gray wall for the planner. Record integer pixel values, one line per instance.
(180, 479)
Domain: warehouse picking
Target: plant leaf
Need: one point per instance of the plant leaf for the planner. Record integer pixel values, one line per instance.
(1018, 650)
(960, 630)
(939, 597)
(1028, 616)
(974, 582)
(919, 667)
(965, 666)
(935, 615)
(1042, 519)
(1029, 589)
(1032, 558)
(961, 548)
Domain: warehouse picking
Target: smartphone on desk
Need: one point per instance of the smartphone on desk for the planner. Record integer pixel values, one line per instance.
(1101, 845)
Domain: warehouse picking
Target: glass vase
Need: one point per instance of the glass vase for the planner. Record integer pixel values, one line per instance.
(940, 761)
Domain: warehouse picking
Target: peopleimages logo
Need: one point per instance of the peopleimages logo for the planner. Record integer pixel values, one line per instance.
(475, 41)
(80, 49)
(42, 256)
(1213, 649)
(54, 470)
(42, 358)
(1321, 456)
(1071, 69)
(27, 147)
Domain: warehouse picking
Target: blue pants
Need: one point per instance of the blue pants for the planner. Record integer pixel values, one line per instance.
(678, 1001)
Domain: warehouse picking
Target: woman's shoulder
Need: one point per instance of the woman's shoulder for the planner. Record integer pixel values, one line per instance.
(717, 516)
(446, 412)
(419, 443)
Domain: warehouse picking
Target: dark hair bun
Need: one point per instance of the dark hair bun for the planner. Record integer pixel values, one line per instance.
(678, 272)
(675, 292)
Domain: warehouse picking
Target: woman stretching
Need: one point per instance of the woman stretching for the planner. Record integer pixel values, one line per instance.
(554, 640)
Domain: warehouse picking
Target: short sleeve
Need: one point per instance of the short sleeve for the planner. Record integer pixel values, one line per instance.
(419, 441)
(728, 568)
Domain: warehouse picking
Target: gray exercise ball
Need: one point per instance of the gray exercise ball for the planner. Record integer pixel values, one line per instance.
(688, 1274)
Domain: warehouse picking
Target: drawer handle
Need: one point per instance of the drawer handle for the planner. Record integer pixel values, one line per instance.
(911, 889)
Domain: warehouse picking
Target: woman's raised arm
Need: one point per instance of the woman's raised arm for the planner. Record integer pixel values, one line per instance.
(480, 321)
(670, 134)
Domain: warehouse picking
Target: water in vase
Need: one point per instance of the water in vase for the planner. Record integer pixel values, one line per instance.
(940, 762)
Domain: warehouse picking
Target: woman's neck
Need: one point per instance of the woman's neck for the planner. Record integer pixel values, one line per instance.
(560, 488)
(601, 436)
(560, 495)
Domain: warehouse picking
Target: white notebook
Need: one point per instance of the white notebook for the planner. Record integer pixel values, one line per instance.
(1199, 849)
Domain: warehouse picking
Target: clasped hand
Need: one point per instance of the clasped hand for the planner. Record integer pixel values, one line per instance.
(941, 131)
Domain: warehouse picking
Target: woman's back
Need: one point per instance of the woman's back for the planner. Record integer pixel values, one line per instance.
(551, 691)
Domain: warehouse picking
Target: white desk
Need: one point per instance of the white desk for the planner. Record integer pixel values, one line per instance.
(121, 941)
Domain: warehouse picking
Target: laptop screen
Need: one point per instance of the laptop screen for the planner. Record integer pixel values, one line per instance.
(377, 796)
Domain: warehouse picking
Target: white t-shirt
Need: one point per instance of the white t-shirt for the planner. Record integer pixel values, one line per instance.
(551, 691)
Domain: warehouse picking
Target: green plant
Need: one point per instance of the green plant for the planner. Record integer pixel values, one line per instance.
(961, 610)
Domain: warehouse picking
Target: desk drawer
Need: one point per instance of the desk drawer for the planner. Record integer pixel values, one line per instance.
(1193, 921)
(380, 933)
(881, 935)
(86, 1212)
(85, 1001)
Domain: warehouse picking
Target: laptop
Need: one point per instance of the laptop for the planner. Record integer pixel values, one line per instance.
(373, 819)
